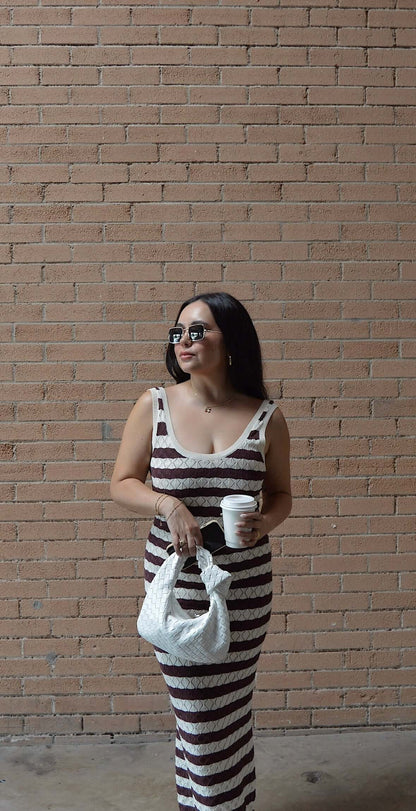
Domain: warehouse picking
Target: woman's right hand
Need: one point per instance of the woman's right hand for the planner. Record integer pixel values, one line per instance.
(183, 527)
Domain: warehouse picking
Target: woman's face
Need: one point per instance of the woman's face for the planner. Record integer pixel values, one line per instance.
(206, 356)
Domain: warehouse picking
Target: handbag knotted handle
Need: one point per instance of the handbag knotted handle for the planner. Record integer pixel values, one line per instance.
(164, 623)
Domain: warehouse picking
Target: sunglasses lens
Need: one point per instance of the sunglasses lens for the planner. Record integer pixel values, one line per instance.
(196, 332)
(175, 335)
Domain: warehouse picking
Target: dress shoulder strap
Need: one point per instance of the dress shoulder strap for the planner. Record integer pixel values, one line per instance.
(258, 430)
(159, 418)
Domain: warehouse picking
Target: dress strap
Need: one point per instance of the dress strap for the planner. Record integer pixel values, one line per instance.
(159, 418)
(264, 417)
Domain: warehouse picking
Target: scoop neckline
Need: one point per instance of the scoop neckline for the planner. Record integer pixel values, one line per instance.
(188, 452)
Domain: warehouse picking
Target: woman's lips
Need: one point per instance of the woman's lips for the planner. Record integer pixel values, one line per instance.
(186, 355)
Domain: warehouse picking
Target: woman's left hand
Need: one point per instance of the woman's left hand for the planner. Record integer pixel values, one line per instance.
(250, 528)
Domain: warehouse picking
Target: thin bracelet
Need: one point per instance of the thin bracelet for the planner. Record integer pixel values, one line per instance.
(159, 500)
(175, 508)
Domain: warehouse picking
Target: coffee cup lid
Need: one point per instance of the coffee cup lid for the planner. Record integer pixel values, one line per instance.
(238, 501)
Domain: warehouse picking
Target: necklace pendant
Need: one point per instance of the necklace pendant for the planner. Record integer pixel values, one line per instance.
(208, 410)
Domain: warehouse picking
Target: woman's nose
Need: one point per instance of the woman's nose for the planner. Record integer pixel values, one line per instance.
(185, 337)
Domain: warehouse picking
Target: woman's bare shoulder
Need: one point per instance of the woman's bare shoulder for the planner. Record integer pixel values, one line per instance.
(277, 430)
(277, 417)
(142, 410)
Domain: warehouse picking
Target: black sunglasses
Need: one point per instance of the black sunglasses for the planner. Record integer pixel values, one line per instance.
(196, 332)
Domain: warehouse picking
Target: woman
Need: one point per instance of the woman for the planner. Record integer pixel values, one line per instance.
(212, 434)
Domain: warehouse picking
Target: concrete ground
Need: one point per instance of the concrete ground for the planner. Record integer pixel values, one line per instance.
(358, 771)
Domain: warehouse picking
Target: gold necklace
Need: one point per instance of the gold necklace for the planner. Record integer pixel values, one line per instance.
(209, 406)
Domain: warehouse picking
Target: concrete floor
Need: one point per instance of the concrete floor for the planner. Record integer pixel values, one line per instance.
(358, 771)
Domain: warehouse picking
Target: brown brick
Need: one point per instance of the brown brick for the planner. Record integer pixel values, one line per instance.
(392, 715)
(290, 719)
(157, 723)
(340, 679)
(53, 725)
(339, 717)
(265, 700)
(78, 705)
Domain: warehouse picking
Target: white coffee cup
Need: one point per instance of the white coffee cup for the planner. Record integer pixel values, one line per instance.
(232, 509)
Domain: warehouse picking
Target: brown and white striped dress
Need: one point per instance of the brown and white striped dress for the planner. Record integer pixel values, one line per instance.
(212, 703)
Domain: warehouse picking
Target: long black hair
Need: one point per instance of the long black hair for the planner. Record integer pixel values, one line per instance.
(241, 344)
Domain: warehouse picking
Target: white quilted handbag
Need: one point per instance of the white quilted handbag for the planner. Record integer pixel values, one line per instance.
(164, 623)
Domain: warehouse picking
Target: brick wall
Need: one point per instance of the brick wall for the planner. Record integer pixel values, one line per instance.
(149, 151)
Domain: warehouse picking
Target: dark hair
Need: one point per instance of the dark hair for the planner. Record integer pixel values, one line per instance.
(241, 343)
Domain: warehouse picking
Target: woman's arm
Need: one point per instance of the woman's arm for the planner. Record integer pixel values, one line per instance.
(277, 497)
(128, 486)
(277, 494)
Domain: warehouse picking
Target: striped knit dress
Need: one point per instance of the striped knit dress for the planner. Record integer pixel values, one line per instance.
(212, 703)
